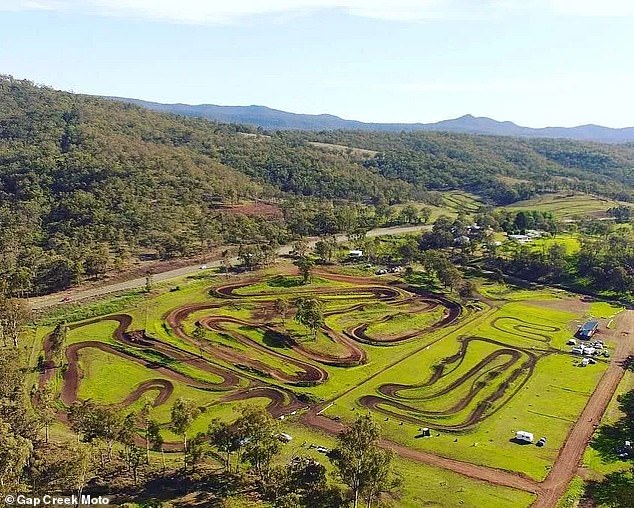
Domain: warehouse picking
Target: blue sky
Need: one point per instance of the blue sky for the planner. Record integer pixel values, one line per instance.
(535, 62)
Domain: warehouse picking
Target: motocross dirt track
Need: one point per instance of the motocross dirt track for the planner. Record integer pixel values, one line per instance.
(241, 386)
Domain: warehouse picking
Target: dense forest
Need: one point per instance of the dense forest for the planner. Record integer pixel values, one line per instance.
(88, 184)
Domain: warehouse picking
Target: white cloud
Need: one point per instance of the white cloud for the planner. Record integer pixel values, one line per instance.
(222, 11)
(228, 11)
(594, 8)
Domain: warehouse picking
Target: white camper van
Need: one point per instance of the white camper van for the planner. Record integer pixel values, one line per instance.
(524, 436)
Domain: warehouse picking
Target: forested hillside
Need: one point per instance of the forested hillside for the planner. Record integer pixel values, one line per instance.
(87, 184)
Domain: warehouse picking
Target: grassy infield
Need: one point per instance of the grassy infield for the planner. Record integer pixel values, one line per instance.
(546, 405)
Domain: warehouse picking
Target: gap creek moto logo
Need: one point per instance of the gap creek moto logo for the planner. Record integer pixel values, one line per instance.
(49, 500)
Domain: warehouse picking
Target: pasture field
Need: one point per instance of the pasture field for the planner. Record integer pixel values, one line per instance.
(570, 242)
(567, 206)
(453, 202)
(474, 374)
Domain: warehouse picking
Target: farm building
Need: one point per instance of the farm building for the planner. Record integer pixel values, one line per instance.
(588, 329)
(524, 436)
(520, 238)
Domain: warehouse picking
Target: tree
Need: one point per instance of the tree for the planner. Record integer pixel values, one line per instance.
(310, 313)
(449, 276)
(225, 261)
(57, 339)
(305, 266)
(225, 438)
(300, 248)
(14, 314)
(359, 461)
(409, 213)
(59, 468)
(95, 422)
(149, 281)
(379, 477)
(254, 256)
(154, 438)
(425, 214)
(12, 374)
(15, 452)
(259, 434)
(97, 261)
(44, 407)
(325, 249)
(467, 289)
(307, 477)
(281, 307)
(184, 412)
(134, 457)
(408, 250)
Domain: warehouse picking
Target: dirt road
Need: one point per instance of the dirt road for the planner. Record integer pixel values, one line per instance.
(54, 299)
(483, 473)
(571, 453)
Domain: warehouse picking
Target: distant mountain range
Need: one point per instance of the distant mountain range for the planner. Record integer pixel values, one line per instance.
(274, 119)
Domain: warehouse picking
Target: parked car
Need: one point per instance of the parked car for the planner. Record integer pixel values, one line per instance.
(380, 271)
(322, 449)
(541, 442)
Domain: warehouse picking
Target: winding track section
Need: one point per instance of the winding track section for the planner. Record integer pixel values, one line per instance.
(283, 401)
(512, 365)
(163, 357)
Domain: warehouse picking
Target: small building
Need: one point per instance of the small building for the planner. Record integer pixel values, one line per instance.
(520, 238)
(522, 435)
(588, 329)
(355, 254)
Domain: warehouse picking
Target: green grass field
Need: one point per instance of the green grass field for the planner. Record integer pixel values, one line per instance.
(567, 206)
(474, 375)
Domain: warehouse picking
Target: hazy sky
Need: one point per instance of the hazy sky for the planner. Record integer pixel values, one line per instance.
(535, 62)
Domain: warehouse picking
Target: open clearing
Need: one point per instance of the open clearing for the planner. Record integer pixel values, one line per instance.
(567, 206)
(473, 374)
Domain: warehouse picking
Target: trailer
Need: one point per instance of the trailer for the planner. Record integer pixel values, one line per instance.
(523, 436)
